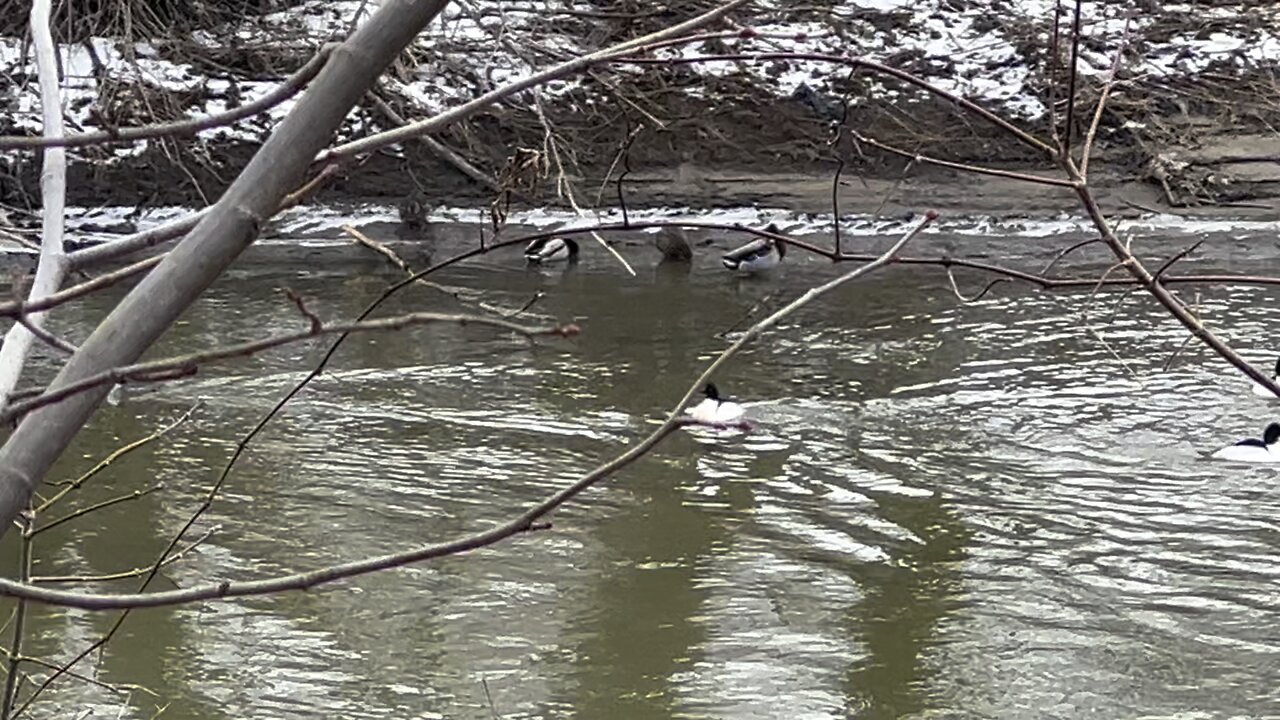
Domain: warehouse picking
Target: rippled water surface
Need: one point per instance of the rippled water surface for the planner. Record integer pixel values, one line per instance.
(997, 509)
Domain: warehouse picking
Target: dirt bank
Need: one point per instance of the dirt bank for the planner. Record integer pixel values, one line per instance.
(1188, 129)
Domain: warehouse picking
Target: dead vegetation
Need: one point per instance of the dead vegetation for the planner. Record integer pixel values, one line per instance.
(728, 120)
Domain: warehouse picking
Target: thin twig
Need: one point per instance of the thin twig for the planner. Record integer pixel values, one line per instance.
(1067, 251)
(116, 454)
(181, 365)
(1102, 99)
(493, 711)
(126, 574)
(1168, 363)
(52, 266)
(564, 188)
(1159, 273)
(893, 190)
(97, 506)
(955, 288)
(1055, 53)
(1071, 83)
(119, 689)
(395, 259)
(965, 167)
(317, 325)
(19, 624)
(181, 128)
(522, 524)
(437, 148)
(834, 144)
(875, 67)
(45, 336)
(105, 280)
(441, 120)
(624, 154)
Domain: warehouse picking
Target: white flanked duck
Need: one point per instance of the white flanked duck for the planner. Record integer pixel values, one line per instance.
(1263, 392)
(715, 409)
(551, 250)
(1253, 450)
(756, 256)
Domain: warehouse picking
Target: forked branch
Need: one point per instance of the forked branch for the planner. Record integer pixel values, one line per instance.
(180, 128)
(531, 519)
(186, 365)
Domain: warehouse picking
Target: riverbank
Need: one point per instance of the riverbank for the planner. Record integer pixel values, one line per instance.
(1189, 128)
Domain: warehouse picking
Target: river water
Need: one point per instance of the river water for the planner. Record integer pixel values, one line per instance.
(997, 509)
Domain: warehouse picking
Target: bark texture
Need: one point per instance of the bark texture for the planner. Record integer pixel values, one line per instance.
(221, 235)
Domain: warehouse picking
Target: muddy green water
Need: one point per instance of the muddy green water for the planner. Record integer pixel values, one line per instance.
(946, 510)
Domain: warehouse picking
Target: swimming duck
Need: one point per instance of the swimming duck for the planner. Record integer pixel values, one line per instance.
(551, 249)
(1266, 450)
(1263, 392)
(715, 409)
(414, 210)
(757, 255)
(674, 245)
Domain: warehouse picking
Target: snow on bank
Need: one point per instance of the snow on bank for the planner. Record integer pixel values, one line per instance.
(978, 49)
(324, 223)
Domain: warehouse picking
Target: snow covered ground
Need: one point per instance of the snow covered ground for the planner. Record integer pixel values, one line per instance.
(323, 224)
(978, 49)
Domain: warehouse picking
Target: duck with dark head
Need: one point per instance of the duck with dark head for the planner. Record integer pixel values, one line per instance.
(547, 250)
(758, 255)
(716, 409)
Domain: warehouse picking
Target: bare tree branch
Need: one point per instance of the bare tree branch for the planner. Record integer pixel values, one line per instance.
(964, 167)
(288, 89)
(396, 260)
(185, 365)
(87, 257)
(175, 228)
(19, 619)
(873, 66)
(76, 484)
(452, 115)
(216, 241)
(1073, 71)
(1102, 99)
(52, 266)
(126, 574)
(45, 336)
(342, 153)
(1041, 279)
(96, 506)
(526, 522)
(437, 148)
(1155, 285)
(105, 280)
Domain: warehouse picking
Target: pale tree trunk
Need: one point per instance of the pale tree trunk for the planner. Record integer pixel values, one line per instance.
(53, 193)
(221, 235)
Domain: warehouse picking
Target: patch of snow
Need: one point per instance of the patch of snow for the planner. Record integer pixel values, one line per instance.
(480, 44)
(312, 221)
